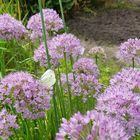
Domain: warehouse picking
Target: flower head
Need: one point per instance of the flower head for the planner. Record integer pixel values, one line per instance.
(97, 51)
(65, 43)
(122, 98)
(121, 103)
(130, 49)
(128, 77)
(91, 126)
(7, 123)
(41, 56)
(86, 66)
(51, 19)
(57, 46)
(25, 94)
(85, 86)
(11, 28)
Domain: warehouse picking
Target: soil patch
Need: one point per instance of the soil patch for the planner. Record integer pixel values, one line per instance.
(114, 25)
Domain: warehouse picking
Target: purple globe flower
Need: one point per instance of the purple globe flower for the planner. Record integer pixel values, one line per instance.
(11, 28)
(91, 126)
(128, 77)
(85, 86)
(59, 44)
(130, 49)
(7, 123)
(65, 43)
(52, 23)
(84, 82)
(86, 66)
(122, 98)
(25, 94)
(41, 57)
(122, 104)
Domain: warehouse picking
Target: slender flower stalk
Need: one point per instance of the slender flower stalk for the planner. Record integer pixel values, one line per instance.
(96, 59)
(55, 114)
(76, 98)
(61, 92)
(66, 70)
(59, 97)
(62, 15)
(2, 64)
(55, 109)
(44, 33)
(133, 62)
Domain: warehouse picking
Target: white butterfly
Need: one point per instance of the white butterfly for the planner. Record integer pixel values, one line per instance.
(48, 78)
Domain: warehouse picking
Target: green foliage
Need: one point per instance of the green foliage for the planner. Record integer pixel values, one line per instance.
(107, 70)
(12, 7)
(67, 4)
(16, 56)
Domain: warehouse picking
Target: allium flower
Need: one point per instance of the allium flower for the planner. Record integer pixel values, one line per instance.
(67, 43)
(91, 126)
(11, 28)
(122, 98)
(85, 86)
(57, 46)
(130, 49)
(64, 79)
(123, 104)
(128, 77)
(25, 94)
(7, 123)
(41, 56)
(51, 19)
(97, 51)
(84, 82)
(86, 66)
(82, 85)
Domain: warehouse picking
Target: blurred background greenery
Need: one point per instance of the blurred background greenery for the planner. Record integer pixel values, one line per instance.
(22, 9)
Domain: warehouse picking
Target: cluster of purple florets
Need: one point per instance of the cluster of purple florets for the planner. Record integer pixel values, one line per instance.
(84, 80)
(53, 23)
(7, 123)
(130, 77)
(21, 91)
(130, 49)
(122, 100)
(117, 112)
(11, 28)
(86, 66)
(21, 94)
(93, 125)
(57, 46)
(117, 116)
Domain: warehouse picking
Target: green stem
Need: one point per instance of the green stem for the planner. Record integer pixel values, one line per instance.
(59, 97)
(72, 62)
(2, 64)
(77, 98)
(61, 93)
(133, 62)
(62, 15)
(96, 59)
(55, 109)
(44, 33)
(69, 92)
